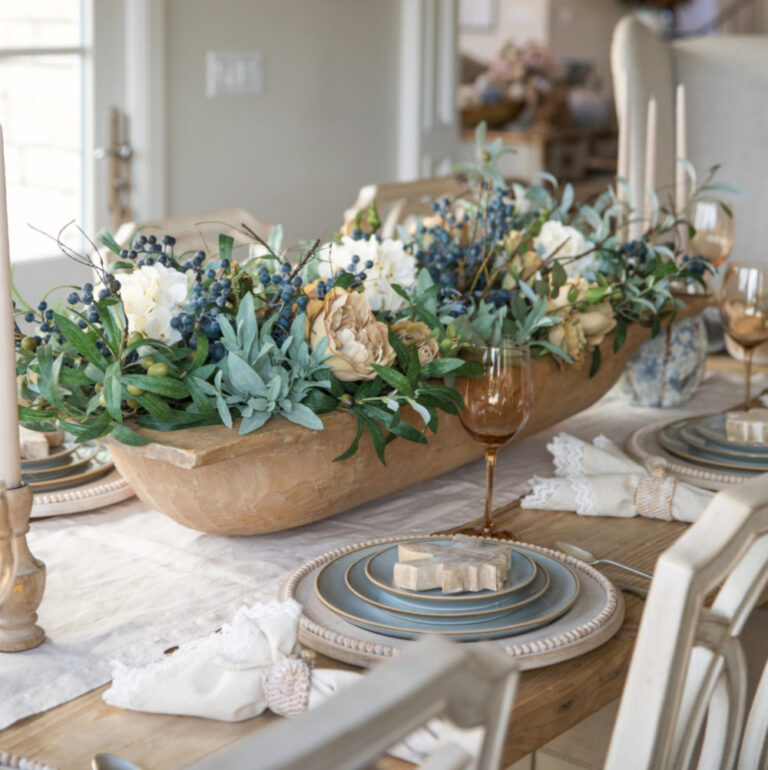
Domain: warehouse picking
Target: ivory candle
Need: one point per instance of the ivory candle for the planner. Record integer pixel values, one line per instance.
(649, 178)
(10, 455)
(681, 153)
(622, 110)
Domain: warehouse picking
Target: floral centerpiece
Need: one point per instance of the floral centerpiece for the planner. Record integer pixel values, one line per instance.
(367, 325)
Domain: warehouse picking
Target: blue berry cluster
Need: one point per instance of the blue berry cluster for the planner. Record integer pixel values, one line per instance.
(635, 253)
(146, 250)
(696, 265)
(448, 257)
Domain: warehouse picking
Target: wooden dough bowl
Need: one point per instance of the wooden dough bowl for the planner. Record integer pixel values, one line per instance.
(283, 475)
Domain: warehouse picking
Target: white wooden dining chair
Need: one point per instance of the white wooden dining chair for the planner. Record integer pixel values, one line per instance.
(200, 231)
(398, 202)
(684, 703)
(471, 685)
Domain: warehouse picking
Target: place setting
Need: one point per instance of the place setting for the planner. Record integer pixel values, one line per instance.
(724, 448)
(67, 477)
(365, 601)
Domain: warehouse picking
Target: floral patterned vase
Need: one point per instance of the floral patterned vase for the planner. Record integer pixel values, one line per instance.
(668, 369)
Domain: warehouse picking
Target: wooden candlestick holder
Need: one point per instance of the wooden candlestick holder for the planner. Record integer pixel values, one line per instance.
(18, 615)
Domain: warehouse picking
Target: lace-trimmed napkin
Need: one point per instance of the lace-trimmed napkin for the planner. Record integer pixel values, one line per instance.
(598, 479)
(249, 666)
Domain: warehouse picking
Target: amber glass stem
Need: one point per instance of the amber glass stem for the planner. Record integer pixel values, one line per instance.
(490, 467)
(748, 377)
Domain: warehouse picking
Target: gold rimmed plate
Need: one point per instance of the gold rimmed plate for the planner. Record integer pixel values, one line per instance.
(712, 427)
(693, 438)
(100, 464)
(359, 584)
(380, 568)
(332, 591)
(57, 457)
(74, 462)
(669, 438)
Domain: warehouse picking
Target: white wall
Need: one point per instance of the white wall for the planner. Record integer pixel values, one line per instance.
(325, 124)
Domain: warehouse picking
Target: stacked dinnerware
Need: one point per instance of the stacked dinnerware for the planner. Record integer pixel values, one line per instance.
(68, 465)
(359, 586)
(704, 441)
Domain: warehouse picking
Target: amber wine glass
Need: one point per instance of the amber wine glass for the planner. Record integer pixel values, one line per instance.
(713, 238)
(743, 300)
(497, 406)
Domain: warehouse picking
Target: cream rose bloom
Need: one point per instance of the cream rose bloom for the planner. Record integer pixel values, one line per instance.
(579, 330)
(567, 242)
(355, 338)
(152, 295)
(419, 335)
(391, 264)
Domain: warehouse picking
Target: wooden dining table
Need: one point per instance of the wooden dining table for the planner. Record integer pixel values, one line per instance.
(549, 700)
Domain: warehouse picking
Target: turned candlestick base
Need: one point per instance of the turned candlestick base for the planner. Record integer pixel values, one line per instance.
(18, 615)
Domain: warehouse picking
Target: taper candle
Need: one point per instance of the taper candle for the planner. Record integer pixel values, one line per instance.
(649, 178)
(10, 454)
(681, 153)
(622, 113)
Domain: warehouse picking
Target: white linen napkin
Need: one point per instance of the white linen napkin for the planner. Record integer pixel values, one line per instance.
(247, 667)
(598, 479)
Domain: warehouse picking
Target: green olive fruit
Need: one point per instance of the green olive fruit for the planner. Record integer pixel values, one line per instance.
(98, 387)
(135, 337)
(133, 390)
(145, 363)
(29, 344)
(132, 402)
(102, 400)
(158, 370)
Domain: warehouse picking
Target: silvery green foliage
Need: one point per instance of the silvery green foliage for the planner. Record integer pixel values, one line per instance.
(258, 379)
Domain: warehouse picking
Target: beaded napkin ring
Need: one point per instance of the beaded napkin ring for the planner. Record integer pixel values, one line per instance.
(655, 494)
(288, 683)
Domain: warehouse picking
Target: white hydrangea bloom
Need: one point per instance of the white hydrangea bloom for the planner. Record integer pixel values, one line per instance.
(568, 242)
(152, 295)
(391, 264)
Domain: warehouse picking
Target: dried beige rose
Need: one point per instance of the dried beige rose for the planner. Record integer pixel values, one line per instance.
(355, 338)
(417, 334)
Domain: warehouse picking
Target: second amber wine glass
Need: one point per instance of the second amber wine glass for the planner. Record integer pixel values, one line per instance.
(713, 238)
(497, 406)
(743, 300)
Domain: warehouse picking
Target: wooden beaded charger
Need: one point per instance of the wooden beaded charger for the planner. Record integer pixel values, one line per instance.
(643, 445)
(595, 617)
(105, 490)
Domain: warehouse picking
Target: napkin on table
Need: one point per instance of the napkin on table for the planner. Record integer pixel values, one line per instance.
(598, 479)
(247, 667)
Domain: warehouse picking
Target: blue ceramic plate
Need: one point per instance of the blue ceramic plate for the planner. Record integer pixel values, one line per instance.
(359, 584)
(712, 428)
(60, 456)
(693, 438)
(333, 592)
(381, 566)
(73, 462)
(669, 438)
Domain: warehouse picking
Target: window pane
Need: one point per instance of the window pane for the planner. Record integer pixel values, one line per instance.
(41, 115)
(35, 23)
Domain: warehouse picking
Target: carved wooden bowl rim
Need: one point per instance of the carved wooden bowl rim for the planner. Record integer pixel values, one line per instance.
(612, 604)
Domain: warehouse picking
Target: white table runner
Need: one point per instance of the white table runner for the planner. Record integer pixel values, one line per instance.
(128, 582)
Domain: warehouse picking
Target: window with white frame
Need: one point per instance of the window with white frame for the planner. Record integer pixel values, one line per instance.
(42, 58)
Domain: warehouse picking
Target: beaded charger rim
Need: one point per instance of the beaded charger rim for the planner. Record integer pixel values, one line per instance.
(542, 651)
(105, 490)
